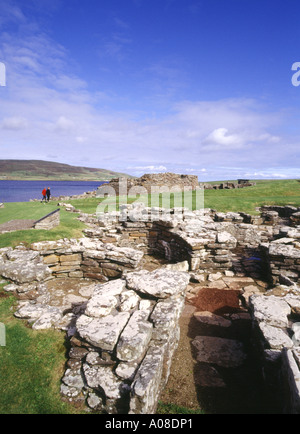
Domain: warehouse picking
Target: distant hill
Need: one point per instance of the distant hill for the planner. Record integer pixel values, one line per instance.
(35, 170)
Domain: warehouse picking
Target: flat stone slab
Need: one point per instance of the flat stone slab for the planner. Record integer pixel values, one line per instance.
(102, 332)
(276, 338)
(208, 376)
(227, 353)
(42, 316)
(135, 337)
(161, 283)
(270, 309)
(209, 318)
(22, 266)
(101, 305)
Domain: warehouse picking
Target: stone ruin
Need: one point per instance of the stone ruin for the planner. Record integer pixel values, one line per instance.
(148, 182)
(122, 320)
(241, 183)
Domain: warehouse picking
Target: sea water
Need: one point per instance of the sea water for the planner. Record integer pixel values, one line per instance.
(23, 191)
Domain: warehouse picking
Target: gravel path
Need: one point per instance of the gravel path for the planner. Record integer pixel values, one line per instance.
(16, 225)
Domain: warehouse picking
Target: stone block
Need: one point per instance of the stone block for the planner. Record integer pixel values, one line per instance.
(70, 258)
(161, 283)
(146, 387)
(227, 353)
(135, 337)
(51, 259)
(102, 332)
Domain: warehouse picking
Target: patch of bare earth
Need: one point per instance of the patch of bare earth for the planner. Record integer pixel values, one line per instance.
(16, 225)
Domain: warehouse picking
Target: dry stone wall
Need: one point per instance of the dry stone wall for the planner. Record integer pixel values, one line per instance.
(49, 221)
(276, 332)
(121, 354)
(206, 239)
(87, 258)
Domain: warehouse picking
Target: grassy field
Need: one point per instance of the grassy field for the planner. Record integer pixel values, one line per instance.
(246, 199)
(31, 366)
(69, 226)
(32, 363)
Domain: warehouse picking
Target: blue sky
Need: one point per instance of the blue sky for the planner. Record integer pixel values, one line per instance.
(200, 87)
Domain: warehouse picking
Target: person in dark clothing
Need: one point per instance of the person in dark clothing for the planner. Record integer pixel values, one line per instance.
(44, 194)
(48, 194)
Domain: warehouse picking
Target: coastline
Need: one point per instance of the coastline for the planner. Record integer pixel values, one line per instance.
(18, 191)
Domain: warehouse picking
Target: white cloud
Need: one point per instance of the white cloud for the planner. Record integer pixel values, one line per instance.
(81, 139)
(64, 124)
(267, 175)
(221, 136)
(14, 123)
(151, 168)
(46, 106)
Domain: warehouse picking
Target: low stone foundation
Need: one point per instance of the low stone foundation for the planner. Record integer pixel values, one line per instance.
(48, 222)
(87, 258)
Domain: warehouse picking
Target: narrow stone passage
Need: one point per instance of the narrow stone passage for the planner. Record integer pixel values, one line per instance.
(214, 368)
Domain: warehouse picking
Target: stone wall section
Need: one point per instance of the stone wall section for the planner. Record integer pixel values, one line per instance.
(276, 336)
(148, 182)
(87, 258)
(124, 342)
(205, 238)
(48, 222)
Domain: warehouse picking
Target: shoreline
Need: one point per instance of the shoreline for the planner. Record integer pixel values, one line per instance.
(54, 180)
(16, 191)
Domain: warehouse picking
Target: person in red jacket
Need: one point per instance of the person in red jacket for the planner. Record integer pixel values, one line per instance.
(44, 192)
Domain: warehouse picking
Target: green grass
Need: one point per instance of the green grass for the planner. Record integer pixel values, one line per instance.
(69, 226)
(31, 366)
(246, 199)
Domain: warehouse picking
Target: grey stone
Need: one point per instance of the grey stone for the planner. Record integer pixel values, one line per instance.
(135, 337)
(23, 267)
(101, 305)
(161, 283)
(43, 316)
(147, 383)
(212, 319)
(50, 318)
(165, 317)
(102, 376)
(73, 378)
(270, 309)
(276, 337)
(95, 402)
(228, 353)
(129, 300)
(102, 332)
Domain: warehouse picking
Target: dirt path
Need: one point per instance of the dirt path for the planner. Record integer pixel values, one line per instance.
(16, 225)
